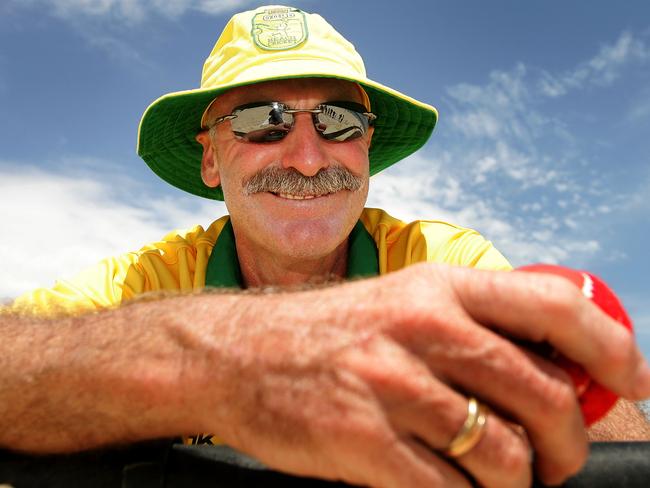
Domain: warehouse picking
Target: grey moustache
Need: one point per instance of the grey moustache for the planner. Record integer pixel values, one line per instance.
(292, 182)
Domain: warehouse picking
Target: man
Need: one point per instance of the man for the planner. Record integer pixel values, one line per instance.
(373, 381)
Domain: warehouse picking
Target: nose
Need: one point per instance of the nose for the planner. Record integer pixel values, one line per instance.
(303, 149)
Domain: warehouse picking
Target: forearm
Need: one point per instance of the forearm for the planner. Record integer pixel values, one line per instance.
(167, 367)
(625, 422)
(115, 376)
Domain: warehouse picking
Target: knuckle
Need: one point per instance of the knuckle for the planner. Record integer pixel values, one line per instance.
(562, 398)
(560, 466)
(621, 349)
(507, 455)
(620, 357)
(515, 461)
(573, 461)
(580, 460)
(558, 402)
(561, 298)
(419, 274)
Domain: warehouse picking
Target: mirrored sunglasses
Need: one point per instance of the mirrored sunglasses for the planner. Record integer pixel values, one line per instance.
(272, 121)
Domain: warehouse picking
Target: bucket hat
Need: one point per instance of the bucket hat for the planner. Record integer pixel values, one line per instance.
(271, 43)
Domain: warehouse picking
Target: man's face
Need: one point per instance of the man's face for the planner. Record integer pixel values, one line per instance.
(286, 227)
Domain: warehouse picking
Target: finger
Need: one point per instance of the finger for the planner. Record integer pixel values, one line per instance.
(401, 462)
(420, 405)
(532, 391)
(540, 307)
(502, 458)
(484, 364)
(434, 465)
(408, 463)
(558, 459)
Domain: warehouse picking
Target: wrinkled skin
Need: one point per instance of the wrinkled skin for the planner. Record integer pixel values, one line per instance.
(368, 381)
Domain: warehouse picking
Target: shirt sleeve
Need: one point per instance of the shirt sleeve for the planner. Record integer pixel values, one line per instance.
(440, 242)
(176, 263)
(99, 287)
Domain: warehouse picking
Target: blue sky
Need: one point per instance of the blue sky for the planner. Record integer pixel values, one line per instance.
(543, 141)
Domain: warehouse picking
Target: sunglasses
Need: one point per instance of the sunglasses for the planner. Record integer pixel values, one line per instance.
(272, 121)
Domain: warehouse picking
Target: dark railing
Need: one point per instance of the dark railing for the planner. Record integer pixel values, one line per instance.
(163, 464)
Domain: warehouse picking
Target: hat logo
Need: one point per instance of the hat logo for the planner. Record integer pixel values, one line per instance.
(279, 28)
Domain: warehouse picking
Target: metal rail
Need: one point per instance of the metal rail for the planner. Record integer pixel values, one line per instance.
(164, 464)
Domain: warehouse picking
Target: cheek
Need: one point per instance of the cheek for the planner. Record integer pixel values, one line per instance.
(229, 179)
(237, 162)
(354, 156)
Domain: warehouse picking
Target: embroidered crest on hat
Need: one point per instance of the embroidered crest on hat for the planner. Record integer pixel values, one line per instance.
(277, 29)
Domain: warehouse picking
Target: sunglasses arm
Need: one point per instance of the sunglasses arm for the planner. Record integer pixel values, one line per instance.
(220, 120)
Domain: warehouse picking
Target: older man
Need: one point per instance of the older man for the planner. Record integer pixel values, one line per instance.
(373, 381)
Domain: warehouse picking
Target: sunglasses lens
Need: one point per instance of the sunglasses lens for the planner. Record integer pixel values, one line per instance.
(339, 123)
(261, 123)
(269, 121)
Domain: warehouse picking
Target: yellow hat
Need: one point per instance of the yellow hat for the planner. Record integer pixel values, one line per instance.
(272, 43)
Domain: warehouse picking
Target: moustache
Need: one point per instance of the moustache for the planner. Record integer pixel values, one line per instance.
(292, 182)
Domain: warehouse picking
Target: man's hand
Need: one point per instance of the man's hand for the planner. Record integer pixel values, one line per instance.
(369, 381)
(366, 382)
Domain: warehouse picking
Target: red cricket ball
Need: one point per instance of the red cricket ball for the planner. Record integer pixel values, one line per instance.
(595, 400)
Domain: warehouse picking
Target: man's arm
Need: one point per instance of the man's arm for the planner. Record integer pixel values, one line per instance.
(625, 422)
(101, 378)
(365, 382)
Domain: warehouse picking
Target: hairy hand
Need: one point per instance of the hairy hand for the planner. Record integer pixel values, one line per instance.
(368, 381)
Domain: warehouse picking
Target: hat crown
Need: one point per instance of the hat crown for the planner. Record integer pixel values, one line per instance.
(276, 40)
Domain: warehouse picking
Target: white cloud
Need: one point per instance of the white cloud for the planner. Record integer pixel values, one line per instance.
(133, 11)
(476, 124)
(484, 166)
(56, 224)
(109, 25)
(503, 130)
(434, 189)
(485, 111)
(602, 69)
(417, 188)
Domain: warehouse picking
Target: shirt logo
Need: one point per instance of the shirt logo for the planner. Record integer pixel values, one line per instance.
(276, 29)
(200, 439)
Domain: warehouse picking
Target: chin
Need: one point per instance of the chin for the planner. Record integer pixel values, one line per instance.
(311, 239)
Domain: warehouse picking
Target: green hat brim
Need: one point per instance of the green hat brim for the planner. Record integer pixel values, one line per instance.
(166, 137)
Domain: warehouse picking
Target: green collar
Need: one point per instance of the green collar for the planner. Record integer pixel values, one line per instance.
(223, 266)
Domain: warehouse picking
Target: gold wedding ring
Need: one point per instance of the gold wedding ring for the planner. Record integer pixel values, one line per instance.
(471, 431)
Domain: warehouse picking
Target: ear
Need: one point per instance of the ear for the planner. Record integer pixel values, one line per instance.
(371, 131)
(209, 167)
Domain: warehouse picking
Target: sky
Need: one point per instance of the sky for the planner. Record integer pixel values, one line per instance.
(543, 142)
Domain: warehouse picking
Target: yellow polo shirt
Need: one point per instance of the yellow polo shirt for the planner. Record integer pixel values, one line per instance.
(179, 261)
